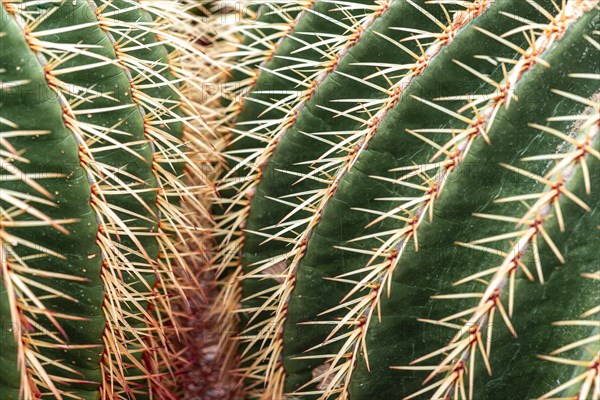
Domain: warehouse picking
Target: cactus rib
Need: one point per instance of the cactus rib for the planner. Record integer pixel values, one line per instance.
(37, 281)
(279, 72)
(116, 171)
(481, 245)
(585, 383)
(314, 197)
(375, 159)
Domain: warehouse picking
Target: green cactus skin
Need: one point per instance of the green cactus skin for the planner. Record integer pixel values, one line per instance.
(259, 41)
(365, 208)
(95, 125)
(272, 80)
(57, 154)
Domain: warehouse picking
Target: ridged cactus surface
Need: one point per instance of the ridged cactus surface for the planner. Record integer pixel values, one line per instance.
(102, 141)
(410, 205)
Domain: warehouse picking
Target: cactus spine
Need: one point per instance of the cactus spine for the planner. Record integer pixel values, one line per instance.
(379, 152)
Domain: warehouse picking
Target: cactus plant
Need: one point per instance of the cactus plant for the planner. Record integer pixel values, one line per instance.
(411, 200)
(103, 141)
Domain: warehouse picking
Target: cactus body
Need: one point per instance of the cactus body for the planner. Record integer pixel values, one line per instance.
(410, 190)
(100, 196)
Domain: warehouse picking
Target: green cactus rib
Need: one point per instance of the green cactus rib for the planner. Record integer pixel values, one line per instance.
(352, 222)
(564, 296)
(271, 97)
(295, 224)
(310, 41)
(441, 78)
(127, 193)
(159, 91)
(270, 94)
(123, 100)
(454, 207)
(153, 77)
(320, 52)
(340, 86)
(271, 58)
(261, 39)
(44, 258)
(508, 369)
(259, 42)
(583, 353)
(273, 75)
(156, 91)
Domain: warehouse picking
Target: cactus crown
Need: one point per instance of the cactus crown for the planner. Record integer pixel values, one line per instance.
(410, 184)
